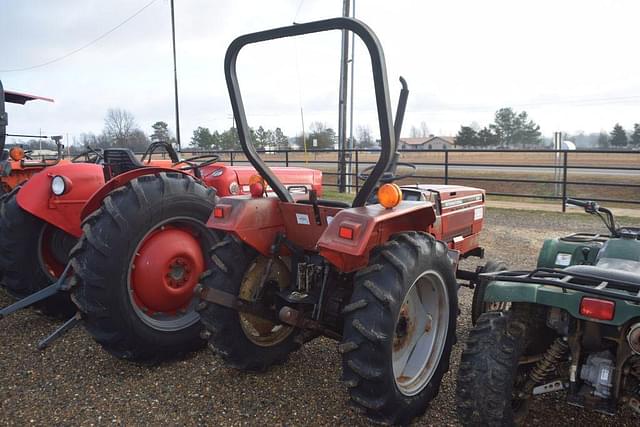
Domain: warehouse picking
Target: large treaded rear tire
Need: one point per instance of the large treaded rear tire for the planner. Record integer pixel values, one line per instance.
(489, 369)
(22, 273)
(371, 327)
(101, 262)
(230, 260)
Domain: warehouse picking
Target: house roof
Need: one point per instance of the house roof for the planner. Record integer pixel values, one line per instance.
(428, 139)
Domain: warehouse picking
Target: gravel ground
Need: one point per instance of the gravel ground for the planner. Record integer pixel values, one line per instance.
(76, 383)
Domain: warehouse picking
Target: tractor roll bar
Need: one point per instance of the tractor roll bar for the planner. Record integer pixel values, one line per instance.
(387, 136)
(3, 119)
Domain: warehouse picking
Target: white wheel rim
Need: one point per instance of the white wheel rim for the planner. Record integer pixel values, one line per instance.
(421, 333)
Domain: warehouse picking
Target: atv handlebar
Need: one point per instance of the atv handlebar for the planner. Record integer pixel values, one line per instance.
(592, 207)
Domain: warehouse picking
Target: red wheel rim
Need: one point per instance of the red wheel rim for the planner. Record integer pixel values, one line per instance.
(49, 263)
(165, 270)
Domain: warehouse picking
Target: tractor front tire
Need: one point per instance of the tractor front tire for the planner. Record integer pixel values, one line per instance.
(478, 305)
(136, 265)
(489, 370)
(233, 265)
(22, 264)
(404, 304)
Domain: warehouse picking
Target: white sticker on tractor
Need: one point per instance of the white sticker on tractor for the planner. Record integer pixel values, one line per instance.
(329, 219)
(302, 219)
(478, 213)
(563, 259)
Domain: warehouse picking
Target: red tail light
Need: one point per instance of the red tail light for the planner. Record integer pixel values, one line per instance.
(597, 308)
(346, 233)
(218, 212)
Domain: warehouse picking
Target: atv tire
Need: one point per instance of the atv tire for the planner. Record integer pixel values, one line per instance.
(489, 370)
(232, 263)
(381, 328)
(478, 306)
(22, 264)
(117, 313)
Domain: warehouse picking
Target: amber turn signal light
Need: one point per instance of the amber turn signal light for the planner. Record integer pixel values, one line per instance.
(256, 186)
(16, 153)
(389, 195)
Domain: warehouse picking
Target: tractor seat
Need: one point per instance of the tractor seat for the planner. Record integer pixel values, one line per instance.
(118, 161)
(606, 274)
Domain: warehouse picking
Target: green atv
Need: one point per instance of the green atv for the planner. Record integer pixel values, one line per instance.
(572, 325)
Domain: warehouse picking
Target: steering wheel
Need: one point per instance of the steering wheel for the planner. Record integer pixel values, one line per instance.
(387, 177)
(197, 162)
(91, 156)
(160, 144)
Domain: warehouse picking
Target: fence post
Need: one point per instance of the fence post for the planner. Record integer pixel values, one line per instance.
(231, 157)
(355, 178)
(446, 167)
(564, 180)
(286, 158)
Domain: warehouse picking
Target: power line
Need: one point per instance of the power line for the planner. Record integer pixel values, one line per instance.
(65, 56)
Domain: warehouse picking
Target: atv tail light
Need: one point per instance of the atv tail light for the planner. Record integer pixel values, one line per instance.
(346, 232)
(389, 195)
(16, 153)
(597, 308)
(218, 212)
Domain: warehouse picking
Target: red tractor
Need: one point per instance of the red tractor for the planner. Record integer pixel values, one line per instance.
(16, 166)
(379, 275)
(128, 236)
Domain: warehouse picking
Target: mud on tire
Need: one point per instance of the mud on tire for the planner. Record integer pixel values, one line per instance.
(372, 332)
(22, 270)
(230, 260)
(102, 259)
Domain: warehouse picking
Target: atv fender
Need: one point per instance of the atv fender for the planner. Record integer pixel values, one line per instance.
(371, 226)
(552, 296)
(63, 211)
(96, 199)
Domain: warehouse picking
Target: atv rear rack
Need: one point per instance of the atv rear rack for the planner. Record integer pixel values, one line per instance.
(604, 287)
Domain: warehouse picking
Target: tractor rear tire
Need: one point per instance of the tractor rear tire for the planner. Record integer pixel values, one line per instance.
(231, 265)
(409, 279)
(21, 258)
(489, 369)
(118, 310)
(478, 306)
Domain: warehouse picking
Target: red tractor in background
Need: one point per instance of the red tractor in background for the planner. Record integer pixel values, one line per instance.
(378, 275)
(15, 164)
(139, 224)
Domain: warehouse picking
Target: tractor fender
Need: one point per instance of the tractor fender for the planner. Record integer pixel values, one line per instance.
(96, 199)
(371, 226)
(63, 211)
(552, 296)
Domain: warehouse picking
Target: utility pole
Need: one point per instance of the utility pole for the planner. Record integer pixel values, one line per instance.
(175, 76)
(351, 144)
(342, 104)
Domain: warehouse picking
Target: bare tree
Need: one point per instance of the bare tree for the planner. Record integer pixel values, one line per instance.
(119, 125)
(424, 130)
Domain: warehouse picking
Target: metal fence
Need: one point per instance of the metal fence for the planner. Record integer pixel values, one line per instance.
(605, 176)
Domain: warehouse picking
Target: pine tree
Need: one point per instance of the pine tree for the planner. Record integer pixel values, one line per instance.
(618, 136)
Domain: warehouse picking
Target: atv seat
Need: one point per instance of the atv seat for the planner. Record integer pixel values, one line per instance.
(118, 161)
(605, 274)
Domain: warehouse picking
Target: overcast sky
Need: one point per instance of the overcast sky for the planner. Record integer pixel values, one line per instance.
(572, 65)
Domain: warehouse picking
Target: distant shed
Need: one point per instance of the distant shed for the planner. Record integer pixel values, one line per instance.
(430, 142)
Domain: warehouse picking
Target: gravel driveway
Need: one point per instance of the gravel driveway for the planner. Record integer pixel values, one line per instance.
(74, 382)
